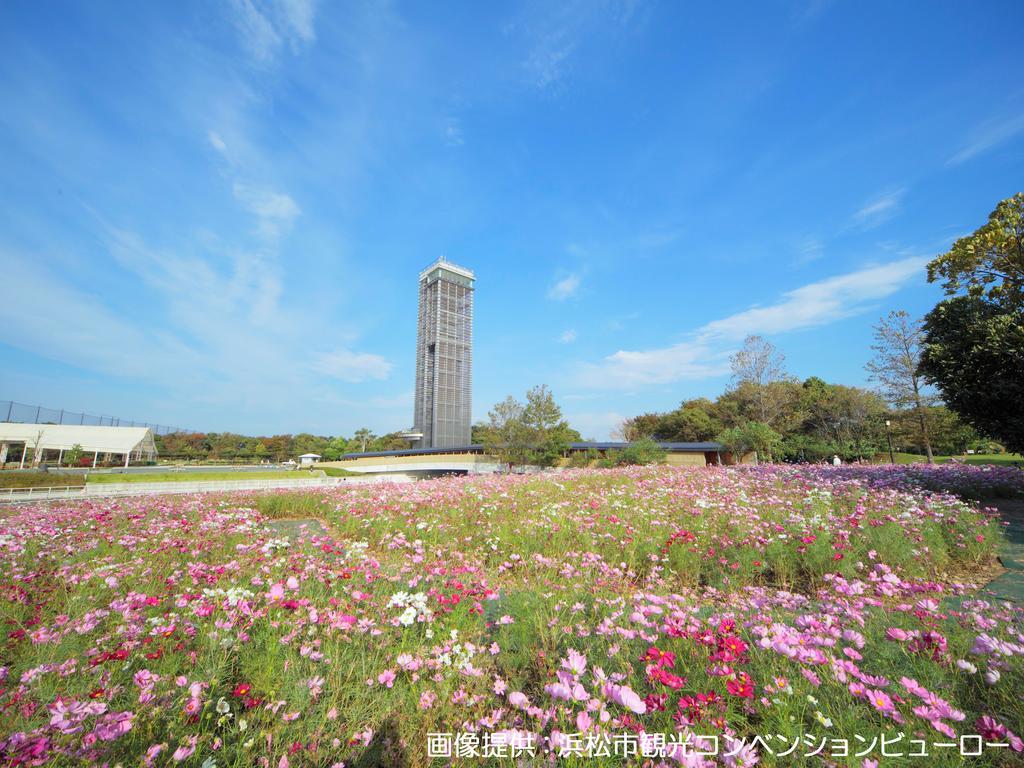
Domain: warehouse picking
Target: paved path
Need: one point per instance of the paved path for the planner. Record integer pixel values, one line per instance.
(1010, 585)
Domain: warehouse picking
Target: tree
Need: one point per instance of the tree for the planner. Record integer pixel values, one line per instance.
(989, 262)
(752, 436)
(641, 453)
(847, 419)
(506, 437)
(638, 427)
(758, 367)
(549, 434)
(534, 433)
(73, 454)
(898, 340)
(974, 354)
(974, 342)
(362, 437)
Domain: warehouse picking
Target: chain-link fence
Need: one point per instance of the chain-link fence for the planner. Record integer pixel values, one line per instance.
(21, 413)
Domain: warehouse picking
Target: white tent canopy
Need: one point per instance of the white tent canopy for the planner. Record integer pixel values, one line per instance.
(96, 440)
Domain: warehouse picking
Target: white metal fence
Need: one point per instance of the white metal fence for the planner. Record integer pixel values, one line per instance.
(98, 490)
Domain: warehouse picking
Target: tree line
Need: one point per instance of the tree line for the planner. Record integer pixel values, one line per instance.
(228, 446)
(946, 383)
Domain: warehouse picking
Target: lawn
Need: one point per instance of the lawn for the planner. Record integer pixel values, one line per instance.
(13, 479)
(595, 612)
(192, 477)
(978, 459)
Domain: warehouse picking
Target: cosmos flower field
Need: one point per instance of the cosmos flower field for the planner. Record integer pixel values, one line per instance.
(637, 616)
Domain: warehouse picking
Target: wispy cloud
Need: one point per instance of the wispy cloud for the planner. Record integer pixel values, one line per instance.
(216, 142)
(879, 209)
(275, 211)
(265, 26)
(568, 336)
(706, 352)
(353, 367)
(565, 288)
(809, 249)
(555, 33)
(988, 136)
(453, 132)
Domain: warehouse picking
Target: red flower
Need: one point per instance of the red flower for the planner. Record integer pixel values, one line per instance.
(741, 686)
(242, 689)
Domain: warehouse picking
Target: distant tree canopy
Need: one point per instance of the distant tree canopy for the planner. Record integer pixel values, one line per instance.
(974, 340)
(813, 420)
(229, 447)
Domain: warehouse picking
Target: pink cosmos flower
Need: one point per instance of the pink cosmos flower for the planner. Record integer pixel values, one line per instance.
(583, 722)
(185, 749)
(880, 700)
(518, 699)
(386, 678)
(575, 662)
(627, 697)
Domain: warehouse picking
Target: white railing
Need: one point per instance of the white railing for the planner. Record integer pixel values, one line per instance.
(96, 490)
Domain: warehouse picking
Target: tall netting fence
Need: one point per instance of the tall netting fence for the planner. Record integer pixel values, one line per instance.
(22, 413)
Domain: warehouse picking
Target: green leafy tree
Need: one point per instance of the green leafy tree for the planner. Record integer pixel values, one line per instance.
(989, 263)
(751, 436)
(898, 342)
(974, 342)
(362, 437)
(974, 354)
(549, 433)
(73, 454)
(640, 452)
(336, 448)
(507, 437)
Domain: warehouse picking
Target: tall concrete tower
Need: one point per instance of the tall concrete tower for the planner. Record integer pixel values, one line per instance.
(444, 357)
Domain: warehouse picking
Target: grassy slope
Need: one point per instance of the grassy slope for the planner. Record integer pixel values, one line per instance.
(1008, 459)
(192, 477)
(38, 479)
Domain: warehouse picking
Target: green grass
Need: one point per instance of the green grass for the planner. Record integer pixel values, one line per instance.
(192, 477)
(38, 479)
(1002, 459)
(338, 472)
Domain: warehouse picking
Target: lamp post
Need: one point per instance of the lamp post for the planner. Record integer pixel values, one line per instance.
(888, 435)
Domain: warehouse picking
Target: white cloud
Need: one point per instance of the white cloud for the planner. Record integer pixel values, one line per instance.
(453, 132)
(274, 211)
(265, 26)
(297, 15)
(706, 353)
(258, 34)
(809, 249)
(353, 367)
(565, 288)
(820, 303)
(568, 336)
(48, 317)
(880, 209)
(555, 33)
(988, 136)
(216, 142)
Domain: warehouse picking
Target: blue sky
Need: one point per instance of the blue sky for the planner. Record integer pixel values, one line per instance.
(213, 214)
